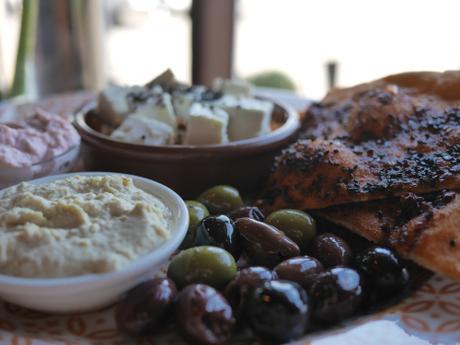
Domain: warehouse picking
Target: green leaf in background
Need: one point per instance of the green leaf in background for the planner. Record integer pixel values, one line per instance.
(24, 74)
(275, 79)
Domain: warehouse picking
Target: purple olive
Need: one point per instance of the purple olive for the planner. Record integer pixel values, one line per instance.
(147, 308)
(240, 289)
(265, 244)
(203, 315)
(247, 212)
(337, 295)
(331, 251)
(302, 269)
(279, 311)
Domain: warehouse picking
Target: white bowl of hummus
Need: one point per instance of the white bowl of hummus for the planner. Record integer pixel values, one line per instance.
(76, 242)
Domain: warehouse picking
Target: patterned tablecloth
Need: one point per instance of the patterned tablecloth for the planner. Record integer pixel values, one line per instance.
(430, 316)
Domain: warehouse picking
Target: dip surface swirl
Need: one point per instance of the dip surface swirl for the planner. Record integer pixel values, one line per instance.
(78, 225)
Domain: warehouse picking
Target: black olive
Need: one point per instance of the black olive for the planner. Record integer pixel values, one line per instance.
(247, 212)
(337, 295)
(331, 251)
(265, 244)
(218, 231)
(239, 291)
(302, 269)
(147, 308)
(279, 311)
(383, 271)
(203, 315)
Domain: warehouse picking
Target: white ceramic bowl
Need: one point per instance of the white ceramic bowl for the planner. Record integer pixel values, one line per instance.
(91, 292)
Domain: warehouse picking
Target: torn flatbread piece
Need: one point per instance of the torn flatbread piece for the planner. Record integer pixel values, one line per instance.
(424, 228)
(374, 141)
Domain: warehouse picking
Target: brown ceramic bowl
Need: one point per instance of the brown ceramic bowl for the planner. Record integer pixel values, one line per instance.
(187, 169)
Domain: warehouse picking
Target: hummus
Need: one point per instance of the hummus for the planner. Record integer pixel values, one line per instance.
(78, 225)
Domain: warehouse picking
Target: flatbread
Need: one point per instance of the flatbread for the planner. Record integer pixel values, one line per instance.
(374, 141)
(425, 229)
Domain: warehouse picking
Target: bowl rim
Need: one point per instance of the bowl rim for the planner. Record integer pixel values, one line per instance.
(63, 154)
(290, 126)
(46, 161)
(134, 267)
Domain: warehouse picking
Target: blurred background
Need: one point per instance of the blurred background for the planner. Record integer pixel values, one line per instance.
(302, 46)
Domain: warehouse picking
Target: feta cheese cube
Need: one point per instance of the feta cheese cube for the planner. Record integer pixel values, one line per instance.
(114, 103)
(248, 117)
(138, 129)
(158, 108)
(206, 125)
(235, 87)
(183, 100)
(156, 90)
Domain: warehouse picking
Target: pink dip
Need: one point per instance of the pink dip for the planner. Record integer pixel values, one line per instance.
(35, 139)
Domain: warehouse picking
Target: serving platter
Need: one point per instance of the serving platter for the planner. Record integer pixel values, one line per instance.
(431, 315)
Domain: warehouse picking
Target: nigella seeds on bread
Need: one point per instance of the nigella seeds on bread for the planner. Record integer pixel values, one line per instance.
(382, 159)
(371, 142)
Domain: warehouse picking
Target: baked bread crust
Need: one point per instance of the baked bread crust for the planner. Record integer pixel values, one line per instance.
(425, 229)
(373, 141)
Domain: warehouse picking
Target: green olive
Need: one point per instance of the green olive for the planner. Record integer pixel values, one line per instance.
(297, 225)
(221, 199)
(197, 212)
(207, 265)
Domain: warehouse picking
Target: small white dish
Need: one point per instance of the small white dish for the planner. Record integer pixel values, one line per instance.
(92, 292)
(60, 164)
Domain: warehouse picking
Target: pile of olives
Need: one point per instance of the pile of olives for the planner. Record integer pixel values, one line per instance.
(275, 275)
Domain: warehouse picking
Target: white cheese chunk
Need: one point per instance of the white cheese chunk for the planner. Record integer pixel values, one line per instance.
(235, 87)
(248, 117)
(158, 108)
(138, 129)
(114, 104)
(182, 102)
(156, 90)
(206, 125)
